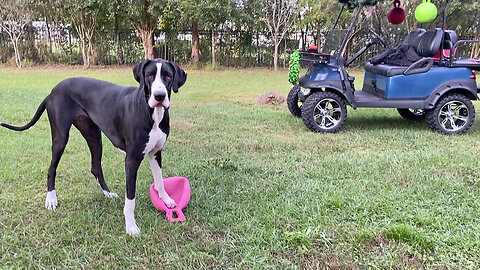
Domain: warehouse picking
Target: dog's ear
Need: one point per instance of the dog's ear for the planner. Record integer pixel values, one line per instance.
(139, 72)
(179, 77)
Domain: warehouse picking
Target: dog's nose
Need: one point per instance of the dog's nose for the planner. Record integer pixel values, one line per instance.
(159, 96)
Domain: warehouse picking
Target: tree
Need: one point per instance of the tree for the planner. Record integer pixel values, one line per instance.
(190, 13)
(319, 15)
(83, 15)
(14, 17)
(279, 17)
(214, 13)
(148, 24)
(464, 18)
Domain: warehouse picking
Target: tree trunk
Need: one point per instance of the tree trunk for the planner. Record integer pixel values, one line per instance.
(49, 35)
(18, 59)
(319, 38)
(84, 52)
(117, 39)
(214, 41)
(195, 56)
(275, 54)
(147, 30)
(147, 42)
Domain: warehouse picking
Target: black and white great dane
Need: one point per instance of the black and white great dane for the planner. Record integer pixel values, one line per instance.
(135, 119)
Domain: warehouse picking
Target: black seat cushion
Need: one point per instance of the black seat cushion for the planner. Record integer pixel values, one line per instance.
(413, 38)
(385, 70)
(450, 39)
(430, 42)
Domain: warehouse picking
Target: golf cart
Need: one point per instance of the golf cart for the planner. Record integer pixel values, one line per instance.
(438, 88)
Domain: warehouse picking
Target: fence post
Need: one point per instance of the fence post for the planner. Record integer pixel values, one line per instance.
(69, 30)
(258, 51)
(165, 43)
(118, 48)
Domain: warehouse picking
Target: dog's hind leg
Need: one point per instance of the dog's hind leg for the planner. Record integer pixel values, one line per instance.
(92, 134)
(60, 127)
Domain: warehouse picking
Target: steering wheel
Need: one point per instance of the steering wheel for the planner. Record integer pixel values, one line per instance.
(376, 37)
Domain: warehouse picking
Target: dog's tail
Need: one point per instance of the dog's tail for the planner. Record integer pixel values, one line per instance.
(32, 122)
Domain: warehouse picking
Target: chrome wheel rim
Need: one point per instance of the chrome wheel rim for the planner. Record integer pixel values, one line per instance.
(453, 115)
(327, 113)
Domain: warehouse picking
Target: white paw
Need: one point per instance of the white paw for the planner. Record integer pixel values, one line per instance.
(169, 202)
(132, 229)
(110, 194)
(51, 200)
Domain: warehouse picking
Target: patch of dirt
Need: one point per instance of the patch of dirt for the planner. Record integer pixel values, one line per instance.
(317, 259)
(274, 98)
(377, 246)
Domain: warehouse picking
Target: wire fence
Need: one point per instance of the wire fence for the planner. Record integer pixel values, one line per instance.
(61, 45)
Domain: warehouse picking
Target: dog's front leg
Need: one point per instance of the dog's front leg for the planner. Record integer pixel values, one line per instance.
(132, 162)
(155, 158)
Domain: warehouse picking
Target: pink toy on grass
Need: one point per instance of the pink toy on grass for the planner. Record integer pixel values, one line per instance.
(178, 189)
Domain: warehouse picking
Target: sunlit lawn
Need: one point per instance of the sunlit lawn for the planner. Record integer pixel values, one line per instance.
(266, 192)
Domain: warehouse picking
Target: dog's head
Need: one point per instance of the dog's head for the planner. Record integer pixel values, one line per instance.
(158, 77)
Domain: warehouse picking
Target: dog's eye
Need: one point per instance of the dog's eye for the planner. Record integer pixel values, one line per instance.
(150, 76)
(168, 78)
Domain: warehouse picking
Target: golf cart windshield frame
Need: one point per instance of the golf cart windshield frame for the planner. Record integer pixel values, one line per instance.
(359, 4)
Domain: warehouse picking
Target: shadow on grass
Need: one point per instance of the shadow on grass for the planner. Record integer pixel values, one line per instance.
(385, 122)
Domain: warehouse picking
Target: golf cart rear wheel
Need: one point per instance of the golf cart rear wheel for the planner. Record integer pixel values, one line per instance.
(324, 112)
(453, 114)
(293, 103)
(412, 114)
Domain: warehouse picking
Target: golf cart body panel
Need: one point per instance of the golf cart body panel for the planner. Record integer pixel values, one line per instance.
(468, 87)
(415, 86)
(323, 72)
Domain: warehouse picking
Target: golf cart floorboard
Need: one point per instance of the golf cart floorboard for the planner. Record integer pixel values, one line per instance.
(366, 99)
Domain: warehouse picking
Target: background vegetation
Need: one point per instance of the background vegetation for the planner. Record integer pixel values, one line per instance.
(229, 32)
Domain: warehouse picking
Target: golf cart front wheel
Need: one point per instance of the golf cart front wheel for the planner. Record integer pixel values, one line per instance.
(453, 114)
(293, 103)
(324, 112)
(412, 114)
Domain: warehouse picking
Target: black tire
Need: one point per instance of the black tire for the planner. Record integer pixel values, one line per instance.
(293, 103)
(453, 114)
(412, 114)
(334, 108)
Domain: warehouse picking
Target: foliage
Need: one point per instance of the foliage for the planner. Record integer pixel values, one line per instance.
(294, 67)
(232, 25)
(14, 17)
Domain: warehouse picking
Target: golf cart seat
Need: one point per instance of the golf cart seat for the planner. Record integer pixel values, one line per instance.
(426, 43)
(413, 38)
(449, 41)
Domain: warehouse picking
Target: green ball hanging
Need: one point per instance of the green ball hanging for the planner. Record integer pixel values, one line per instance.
(426, 12)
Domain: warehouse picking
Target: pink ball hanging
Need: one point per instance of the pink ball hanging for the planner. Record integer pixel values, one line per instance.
(396, 15)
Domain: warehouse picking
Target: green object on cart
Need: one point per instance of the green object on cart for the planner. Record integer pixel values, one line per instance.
(294, 67)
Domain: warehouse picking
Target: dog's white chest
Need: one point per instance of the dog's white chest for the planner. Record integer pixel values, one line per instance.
(156, 137)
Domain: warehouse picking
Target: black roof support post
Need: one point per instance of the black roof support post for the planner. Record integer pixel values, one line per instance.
(338, 17)
(445, 11)
(349, 32)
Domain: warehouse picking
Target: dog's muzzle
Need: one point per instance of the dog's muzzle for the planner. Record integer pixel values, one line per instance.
(159, 99)
(159, 96)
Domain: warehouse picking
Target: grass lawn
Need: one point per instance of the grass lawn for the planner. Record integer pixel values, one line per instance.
(266, 192)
